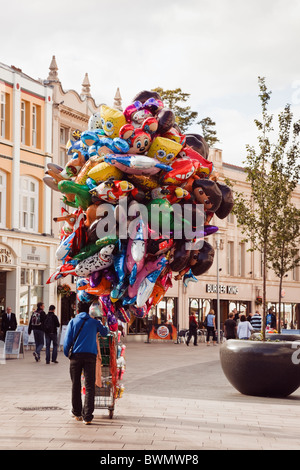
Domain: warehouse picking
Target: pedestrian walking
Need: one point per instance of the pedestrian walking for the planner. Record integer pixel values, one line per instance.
(211, 327)
(50, 326)
(9, 322)
(230, 327)
(256, 321)
(244, 328)
(193, 330)
(80, 345)
(36, 324)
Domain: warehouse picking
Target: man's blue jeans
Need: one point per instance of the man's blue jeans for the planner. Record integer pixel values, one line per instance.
(39, 341)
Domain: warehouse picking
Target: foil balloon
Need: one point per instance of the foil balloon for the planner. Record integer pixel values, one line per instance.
(136, 164)
(139, 139)
(95, 309)
(81, 193)
(149, 267)
(136, 250)
(227, 202)
(120, 269)
(147, 284)
(96, 262)
(111, 120)
(164, 150)
(136, 159)
(205, 260)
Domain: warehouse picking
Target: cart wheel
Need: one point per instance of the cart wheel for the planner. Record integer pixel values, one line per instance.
(111, 414)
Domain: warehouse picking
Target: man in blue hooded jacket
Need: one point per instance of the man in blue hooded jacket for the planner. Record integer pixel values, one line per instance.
(83, 359)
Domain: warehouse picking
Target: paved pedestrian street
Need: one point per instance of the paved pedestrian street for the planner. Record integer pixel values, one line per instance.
(176, 398)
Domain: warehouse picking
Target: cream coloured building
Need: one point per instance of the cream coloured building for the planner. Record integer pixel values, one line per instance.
(240, 274)
(37, 117)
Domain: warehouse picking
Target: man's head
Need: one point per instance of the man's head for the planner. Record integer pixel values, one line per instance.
(51, 308)
(83, 307)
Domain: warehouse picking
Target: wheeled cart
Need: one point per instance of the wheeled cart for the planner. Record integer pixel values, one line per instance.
(109, 372)
(110, 367)
(106, 376)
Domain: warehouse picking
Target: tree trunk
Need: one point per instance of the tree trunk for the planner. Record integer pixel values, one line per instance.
(279, 305)
(264, 291)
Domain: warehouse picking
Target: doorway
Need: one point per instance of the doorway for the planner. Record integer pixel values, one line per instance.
(2, 296)
(2, 291)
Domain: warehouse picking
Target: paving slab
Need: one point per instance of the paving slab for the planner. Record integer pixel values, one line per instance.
(176, 398)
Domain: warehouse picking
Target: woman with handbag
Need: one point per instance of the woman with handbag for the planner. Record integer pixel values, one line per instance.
(80, 345)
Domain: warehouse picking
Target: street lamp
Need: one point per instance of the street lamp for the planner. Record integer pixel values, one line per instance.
(218, 285)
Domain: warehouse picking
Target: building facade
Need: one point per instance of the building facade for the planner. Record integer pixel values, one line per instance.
(26, 242)
(37, 118)
(240, 275)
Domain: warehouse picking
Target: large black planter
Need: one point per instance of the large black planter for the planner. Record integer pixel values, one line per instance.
(262, 368)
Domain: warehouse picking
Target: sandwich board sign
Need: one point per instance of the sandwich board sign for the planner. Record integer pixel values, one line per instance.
(13, 343)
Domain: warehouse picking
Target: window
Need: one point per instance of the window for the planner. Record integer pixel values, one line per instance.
(2, 199)
(64, 135)
(200, 308)
(241, 260)
(29, 196)
(295, 272)
(31, 292)
(64, 138)
(34, 126)
(3, 105)
(23, 122)
(230, 258)
(230, 218)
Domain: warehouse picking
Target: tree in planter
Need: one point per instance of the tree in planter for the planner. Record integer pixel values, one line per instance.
(284, 253)
(285, 172)
(284, 247)
(273, 172)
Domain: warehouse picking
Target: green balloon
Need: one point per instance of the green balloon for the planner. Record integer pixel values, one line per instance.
(83, 197)
(160, 215)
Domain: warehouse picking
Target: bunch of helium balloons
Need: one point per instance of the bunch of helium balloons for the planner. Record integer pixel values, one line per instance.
(139, 197)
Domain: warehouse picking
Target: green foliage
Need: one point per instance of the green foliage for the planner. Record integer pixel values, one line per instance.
(208, 131)
(268, 218)
(172, 99)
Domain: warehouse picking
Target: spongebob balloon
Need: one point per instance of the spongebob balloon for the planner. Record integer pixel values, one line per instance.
(111, 120)
(164, 150)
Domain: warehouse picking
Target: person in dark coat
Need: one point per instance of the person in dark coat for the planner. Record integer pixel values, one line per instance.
(9, 321)
(50, 326)
(193, 327)
(36, 324)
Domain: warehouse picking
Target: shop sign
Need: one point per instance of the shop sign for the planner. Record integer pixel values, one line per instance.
(5, 255)
(34, 254)
(213, 289)
(164, 331)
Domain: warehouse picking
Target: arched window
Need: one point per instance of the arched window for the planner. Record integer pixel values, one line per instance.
(2, 199)
(29, 198)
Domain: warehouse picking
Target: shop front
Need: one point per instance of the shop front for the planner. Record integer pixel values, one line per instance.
(25, 266)
(230, 297)
(160, 323)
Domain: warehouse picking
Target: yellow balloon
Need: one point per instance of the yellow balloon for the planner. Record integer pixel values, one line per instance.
(164, 150)
(103, 171)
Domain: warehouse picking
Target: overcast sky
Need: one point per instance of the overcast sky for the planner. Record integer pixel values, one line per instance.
(212, 49)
